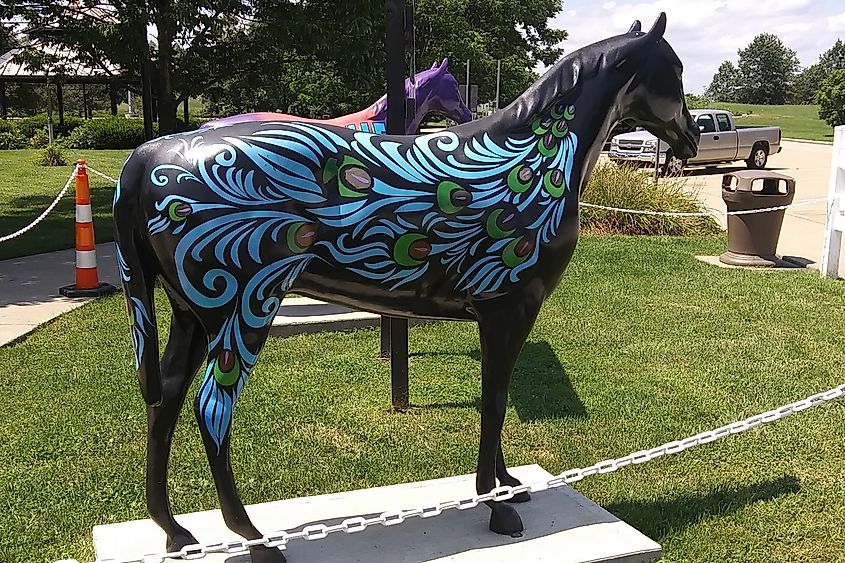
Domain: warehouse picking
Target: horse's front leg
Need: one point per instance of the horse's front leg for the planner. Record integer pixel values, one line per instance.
(225, 378)
(186, 348)
(503, 328)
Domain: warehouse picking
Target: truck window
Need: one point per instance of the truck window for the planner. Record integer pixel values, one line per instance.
(706, 121)
(724, 122)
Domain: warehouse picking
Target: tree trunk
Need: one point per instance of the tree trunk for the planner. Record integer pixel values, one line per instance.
(167, 102)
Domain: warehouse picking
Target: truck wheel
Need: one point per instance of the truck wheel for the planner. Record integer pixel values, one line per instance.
(759, 156)
(674, 165)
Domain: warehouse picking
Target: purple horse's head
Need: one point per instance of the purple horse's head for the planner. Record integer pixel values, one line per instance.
(435, 91)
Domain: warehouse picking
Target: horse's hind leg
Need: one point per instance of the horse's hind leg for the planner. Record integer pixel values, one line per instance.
(186, 348)
(232, 355)
(503, 328)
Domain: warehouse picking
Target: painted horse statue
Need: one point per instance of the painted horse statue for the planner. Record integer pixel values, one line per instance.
(473, 223)
(435, 91)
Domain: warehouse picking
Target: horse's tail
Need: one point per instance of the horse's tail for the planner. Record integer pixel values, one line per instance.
(138, 270)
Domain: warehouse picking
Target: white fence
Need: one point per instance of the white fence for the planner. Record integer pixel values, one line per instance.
(832, 249)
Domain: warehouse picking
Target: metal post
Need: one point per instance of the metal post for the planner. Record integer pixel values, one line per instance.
(657, 161)
(4, 113)
(49, 112)
(146, 74)
(468, 89)
(397, 329)
(498, 82)
(60, 97)
(113, 97)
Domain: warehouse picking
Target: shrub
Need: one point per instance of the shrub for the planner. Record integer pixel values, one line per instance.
(630, 188)
(107, 133)
(28, 126)
(831, 98)
(11, 140)
(39, 140)
(698, 102)
(51, 155)
(7, 126)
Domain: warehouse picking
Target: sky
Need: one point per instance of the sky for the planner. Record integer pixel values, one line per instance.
(706, 32)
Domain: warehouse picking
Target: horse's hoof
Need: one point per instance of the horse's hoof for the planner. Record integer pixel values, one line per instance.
(263, 554)
(520, 497)
(177, 542)
(505, 520)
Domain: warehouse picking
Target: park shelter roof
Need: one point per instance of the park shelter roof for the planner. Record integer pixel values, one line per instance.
(63, 61)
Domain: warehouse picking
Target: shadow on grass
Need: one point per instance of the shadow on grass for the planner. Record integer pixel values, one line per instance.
(540, 388)
(658, 519)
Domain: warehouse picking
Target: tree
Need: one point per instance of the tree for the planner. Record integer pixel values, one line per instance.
(806, 84)
(308, 78)
(193, 40)
(831, 98)
(833, 58)
(767, 68)
(725, 83)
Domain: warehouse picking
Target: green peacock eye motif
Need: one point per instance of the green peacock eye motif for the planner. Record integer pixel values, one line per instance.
(452, 197)
(520, 178)
(542, 125)
(411, 250)
(178, 211)
(560, 129)
(569, 113)
(558, 111)
(517, 251)
(301, 236)
(353, 179)
(227, 368)
(501, 224)
(548, 145)
(554, 183)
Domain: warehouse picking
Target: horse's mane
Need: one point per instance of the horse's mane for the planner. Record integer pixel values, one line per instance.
(567, 76)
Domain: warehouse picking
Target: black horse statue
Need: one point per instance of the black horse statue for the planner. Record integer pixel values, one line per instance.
(475, 223)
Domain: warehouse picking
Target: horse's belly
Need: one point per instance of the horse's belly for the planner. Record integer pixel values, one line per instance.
(337, 286)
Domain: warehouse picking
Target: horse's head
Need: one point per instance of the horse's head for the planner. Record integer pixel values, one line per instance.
(654, 98)
(438, 92)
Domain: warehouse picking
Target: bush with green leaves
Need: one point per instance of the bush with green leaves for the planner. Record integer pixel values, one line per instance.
(11, 139)
(39, 140)
(28, 126)
(695, 101)
(632, 188)
(107, 133)
(831, 98)
(51, 155)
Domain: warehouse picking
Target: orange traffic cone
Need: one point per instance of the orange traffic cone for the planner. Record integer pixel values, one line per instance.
(87, 281)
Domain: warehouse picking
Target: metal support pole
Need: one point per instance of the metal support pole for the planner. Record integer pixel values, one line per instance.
(657, 161)
(49, 112)
(113, 97)
(396, 329)
(60, 98)
(4, 112)
(498, 82)
(146, 75)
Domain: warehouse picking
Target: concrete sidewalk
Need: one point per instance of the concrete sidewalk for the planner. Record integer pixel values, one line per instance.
(29, 288)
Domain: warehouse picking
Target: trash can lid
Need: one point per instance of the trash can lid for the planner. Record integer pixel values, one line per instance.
(745, 179)
(759, 174)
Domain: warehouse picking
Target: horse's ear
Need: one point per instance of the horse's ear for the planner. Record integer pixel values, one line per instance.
(659, 28)
(444, 65)
(434, 65)
(636, 26)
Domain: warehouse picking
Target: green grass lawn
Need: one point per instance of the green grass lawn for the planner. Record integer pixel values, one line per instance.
(27, 189)
(640, 344)
(797, 122)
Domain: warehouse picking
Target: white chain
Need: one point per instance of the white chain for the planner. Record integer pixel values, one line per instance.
(713, 212)
(46, 211)
(313, 532)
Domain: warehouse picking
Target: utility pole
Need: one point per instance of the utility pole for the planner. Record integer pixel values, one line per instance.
(498, 82)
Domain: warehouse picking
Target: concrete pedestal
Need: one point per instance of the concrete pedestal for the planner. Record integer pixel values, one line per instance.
(561, 526)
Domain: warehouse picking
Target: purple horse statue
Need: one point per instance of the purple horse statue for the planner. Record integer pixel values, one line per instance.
(435, 91)
(474, 223)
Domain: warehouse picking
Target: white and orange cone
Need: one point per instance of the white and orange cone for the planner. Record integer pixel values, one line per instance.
(87, 281)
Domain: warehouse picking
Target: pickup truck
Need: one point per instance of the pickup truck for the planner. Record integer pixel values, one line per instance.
(721, 142)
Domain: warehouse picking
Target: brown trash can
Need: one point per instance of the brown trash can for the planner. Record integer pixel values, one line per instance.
(753, 238)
